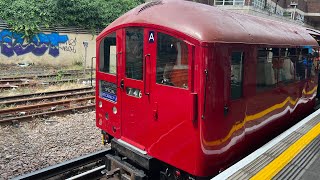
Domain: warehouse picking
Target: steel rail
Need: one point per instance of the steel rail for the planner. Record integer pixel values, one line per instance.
(9, 81)
(24, 96)
(43, 98)
(35, 83)
(26, 117)
(66, 73)
(39, 106)
(65, 167)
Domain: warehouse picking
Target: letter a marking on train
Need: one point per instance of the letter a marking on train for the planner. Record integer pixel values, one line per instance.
(151, 36)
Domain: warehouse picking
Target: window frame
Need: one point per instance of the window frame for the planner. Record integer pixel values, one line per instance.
(102, 55)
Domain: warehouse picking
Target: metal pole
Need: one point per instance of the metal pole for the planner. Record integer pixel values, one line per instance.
(92, 69)
(294, 12)
(85, 62)
(85, 44)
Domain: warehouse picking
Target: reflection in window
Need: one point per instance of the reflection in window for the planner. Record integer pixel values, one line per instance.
(266, 69)
(259, 4)
(108, 54)
(134, 53)
(236, 74)
(304, 64)
(229, 2)
(172, 61)
(286, 66)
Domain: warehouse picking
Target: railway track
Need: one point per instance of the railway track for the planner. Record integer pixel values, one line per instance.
(9, 84)
(42, 94)
(44, 79)
(24, 107)
(86, 167)
(39, 75)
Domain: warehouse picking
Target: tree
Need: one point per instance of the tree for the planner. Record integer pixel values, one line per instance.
(26, 16)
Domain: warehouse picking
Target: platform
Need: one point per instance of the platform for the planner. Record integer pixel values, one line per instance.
(295, 154)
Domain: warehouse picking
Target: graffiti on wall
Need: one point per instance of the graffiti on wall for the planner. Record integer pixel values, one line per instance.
(13, 43)
(69, 46)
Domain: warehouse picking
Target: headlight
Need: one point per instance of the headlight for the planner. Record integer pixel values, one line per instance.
(114, 110)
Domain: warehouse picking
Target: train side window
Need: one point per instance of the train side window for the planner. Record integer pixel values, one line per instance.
(108, 54)
(172, 61)
(134, 53)
(304, 64)
(286, 66)
(236, 74)
(266, 69)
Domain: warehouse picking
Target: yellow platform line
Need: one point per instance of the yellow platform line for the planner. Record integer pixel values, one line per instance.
(281, 161)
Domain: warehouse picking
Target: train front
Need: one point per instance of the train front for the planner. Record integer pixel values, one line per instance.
(145, 100)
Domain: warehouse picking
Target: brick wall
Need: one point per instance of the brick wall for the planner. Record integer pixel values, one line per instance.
(313, 6)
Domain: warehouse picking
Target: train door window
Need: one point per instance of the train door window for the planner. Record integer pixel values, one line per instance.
(266, 69)
(108, 54)
(236, 74)
(134, 53)
(172, 61)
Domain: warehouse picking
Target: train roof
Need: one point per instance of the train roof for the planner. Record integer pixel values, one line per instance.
(211, 24)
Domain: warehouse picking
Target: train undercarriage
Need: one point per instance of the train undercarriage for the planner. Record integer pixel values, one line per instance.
(126, 163)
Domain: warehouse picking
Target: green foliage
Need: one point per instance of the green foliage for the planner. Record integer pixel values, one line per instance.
(115, 8)
(60, 74)
(26, 16)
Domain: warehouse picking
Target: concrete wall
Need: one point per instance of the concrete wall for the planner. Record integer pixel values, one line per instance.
(48, 48)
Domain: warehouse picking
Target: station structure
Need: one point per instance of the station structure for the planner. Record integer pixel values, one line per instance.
(302, 12)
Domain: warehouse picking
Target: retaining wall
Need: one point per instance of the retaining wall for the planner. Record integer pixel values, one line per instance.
(57, 47)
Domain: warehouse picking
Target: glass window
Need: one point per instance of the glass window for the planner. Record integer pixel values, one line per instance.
(108, 54)
(236, 74)
(286, 66)
(304, 64)
(316, 58)
(172, 61)
(228, 2)
(266, 69)
(259, 4)
(134, 53)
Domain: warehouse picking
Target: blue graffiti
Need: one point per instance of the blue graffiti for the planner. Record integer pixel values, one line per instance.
(13, 43)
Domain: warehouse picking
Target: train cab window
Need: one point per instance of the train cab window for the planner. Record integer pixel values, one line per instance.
(236, 74)
(172, 61)
(266, 69)
(134, 53)
(108, 54)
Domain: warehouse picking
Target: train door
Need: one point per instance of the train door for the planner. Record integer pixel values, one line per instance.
(155, 85)
(170, 86)
(133, 84)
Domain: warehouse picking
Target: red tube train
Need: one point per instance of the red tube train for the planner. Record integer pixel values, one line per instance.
(185, 89)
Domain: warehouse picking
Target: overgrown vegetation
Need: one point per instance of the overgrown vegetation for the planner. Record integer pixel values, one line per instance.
(26, 16)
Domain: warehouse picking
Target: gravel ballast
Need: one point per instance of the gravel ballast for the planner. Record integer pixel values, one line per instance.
(40, 143)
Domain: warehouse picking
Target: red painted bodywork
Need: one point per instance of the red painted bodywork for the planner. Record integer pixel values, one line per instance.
(173, 124)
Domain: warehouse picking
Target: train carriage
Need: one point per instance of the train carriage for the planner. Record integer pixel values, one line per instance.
(185, 89)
